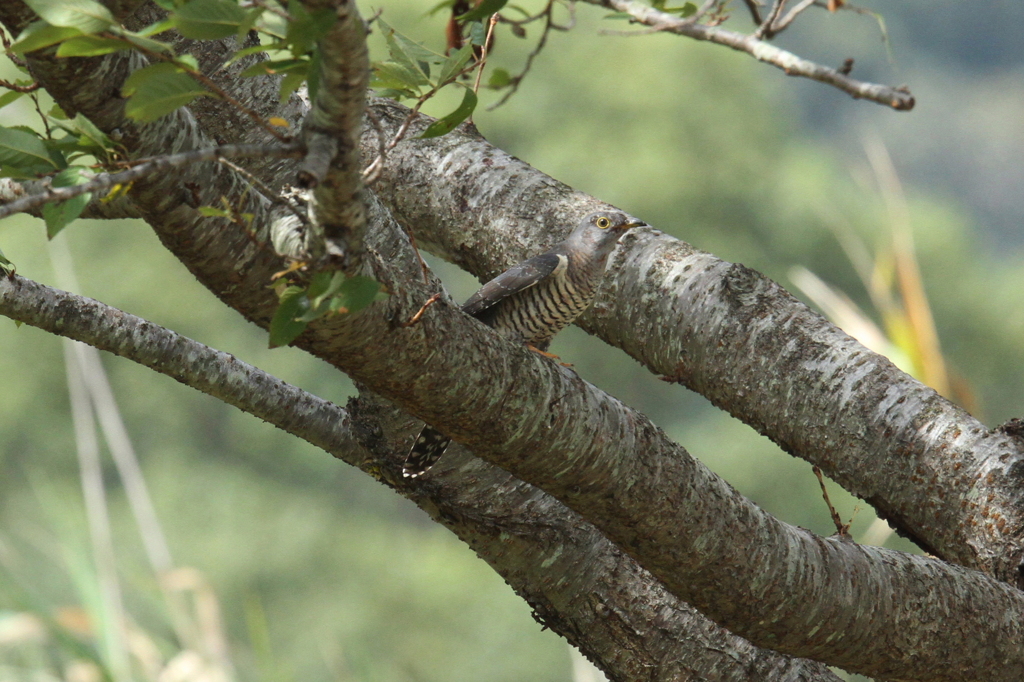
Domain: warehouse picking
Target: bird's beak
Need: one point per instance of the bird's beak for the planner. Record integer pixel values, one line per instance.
(631, 224)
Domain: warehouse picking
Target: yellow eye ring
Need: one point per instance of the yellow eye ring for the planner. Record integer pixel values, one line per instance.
(603, 223)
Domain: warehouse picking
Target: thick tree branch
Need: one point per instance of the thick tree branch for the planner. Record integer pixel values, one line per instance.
(332, 131)
(527, 536)
(897, 98)
(738, 339)
(644, 493)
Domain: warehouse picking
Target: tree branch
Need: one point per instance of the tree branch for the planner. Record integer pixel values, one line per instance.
(898, 98)
(738, 339)
(332, 130)
(525, 535)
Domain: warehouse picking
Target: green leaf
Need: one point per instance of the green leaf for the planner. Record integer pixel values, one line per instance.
(145, 43)
(40, 34)
(157, 90)
(316, 63)
(25, 151)
(285, 327)
(6, 266)
(447, 124)
(307, 27)
(477, 33)
(88, 16)
(9, 97)
(90, 46)
(289, 84)
(323, 283)
(209, 19)
(398, 76)
(91, 133)
(500, 78)
(454, 64)
(485, 9)
(684, 10)
(410, 54)
(57, 216)
(156, 28)
(214, 212)
(355, 293)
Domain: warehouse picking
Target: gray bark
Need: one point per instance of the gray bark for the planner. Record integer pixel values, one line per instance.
(782, 587)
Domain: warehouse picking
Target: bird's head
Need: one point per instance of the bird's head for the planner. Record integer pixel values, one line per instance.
(600, 231)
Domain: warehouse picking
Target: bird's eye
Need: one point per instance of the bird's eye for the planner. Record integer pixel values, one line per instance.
(603, 223)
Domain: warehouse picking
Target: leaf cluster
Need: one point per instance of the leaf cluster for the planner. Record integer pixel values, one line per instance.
(416, 72)
(329, 293)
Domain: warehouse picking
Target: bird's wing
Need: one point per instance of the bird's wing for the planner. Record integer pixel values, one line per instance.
(517, 278)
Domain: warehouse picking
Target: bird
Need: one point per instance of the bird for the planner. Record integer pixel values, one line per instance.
(534, 300)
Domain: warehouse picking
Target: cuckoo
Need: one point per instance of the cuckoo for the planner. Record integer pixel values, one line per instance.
(534, 300)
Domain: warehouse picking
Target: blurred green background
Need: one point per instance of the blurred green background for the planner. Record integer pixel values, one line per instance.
(321, 573)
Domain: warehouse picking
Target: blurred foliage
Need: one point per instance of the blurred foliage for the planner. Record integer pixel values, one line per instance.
(323, 574)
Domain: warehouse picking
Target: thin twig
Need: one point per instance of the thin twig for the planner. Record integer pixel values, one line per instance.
(755, 11)
(549, 24)
(416, 250)
(39, 110)
(765, 30)
(419, 313)
(105, 181)
(20, 88)
(10, 53)
(372, 172)
(483, 54)
(843, 529)
(791, 15)
(275, 197)
(898, 98)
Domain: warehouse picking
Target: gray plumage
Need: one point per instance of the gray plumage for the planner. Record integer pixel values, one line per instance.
(534, 300)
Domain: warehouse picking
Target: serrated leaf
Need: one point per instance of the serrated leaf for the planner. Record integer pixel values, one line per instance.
(40, 34)
(355, 293)
(445, 125)
(285, 327)
(88, 16)
(410, 54)
(59, 215)
(209, 19)
(398, 76)
(26, 151)
(157, 90)
(307, 27)
(90, 46)
(485, 9)
(454, 64)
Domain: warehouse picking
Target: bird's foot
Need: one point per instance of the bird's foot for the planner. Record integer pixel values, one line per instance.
(548, 355)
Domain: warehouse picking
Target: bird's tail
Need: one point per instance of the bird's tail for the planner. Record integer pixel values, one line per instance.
(426, 450)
